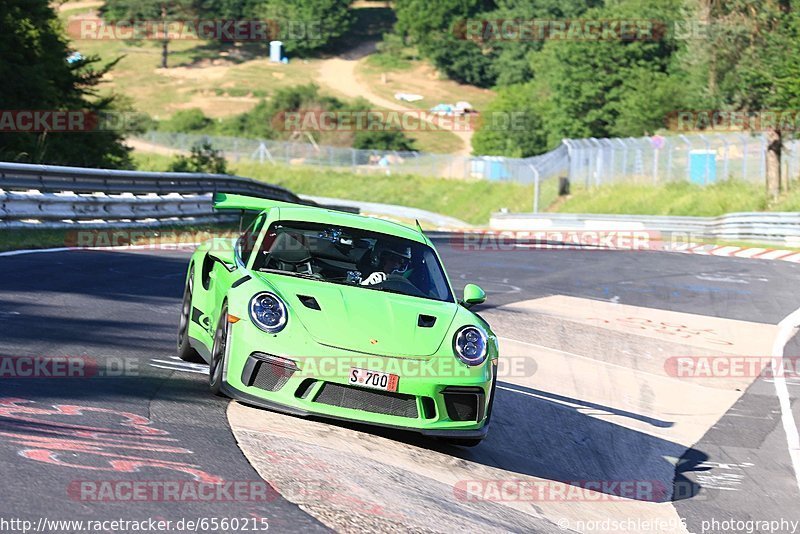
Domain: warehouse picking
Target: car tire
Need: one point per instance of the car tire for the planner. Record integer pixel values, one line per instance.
(217, 366)
(185, 350)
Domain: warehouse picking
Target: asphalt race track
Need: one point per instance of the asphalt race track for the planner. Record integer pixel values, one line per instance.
(142, 415)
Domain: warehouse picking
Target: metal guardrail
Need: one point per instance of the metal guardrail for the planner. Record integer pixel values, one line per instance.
(54, 196)
(56, 179)
(768, 227)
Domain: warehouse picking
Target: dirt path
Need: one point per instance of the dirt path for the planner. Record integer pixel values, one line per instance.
(340, 75)
(88, 4)
(141, 145)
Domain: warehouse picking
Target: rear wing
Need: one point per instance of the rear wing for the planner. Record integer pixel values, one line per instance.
(226, 201)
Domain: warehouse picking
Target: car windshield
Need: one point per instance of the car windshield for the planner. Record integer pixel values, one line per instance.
(350, 256)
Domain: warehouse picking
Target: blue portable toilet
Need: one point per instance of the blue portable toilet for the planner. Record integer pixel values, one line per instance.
(702, 166)
(496, 168)
(275, 51)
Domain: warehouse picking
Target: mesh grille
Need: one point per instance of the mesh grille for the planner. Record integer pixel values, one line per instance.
(381, 402)
(270, 376)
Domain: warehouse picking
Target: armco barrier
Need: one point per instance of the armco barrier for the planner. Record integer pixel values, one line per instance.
(45, 196)
(775, 227)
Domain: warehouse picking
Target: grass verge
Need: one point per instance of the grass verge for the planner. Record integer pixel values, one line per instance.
(469, 200)
(678, 198)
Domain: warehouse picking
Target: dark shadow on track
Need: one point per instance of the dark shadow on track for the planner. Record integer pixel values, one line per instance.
(537, 436)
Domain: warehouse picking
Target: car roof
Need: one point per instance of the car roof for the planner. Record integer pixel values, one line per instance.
(350, 220)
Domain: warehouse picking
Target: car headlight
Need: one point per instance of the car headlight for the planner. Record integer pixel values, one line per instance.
(470, 345)
(268, 312)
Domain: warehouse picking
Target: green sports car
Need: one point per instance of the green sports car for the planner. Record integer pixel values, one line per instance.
(316, 312)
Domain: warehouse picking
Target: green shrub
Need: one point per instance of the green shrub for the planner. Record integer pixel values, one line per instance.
(187, 121)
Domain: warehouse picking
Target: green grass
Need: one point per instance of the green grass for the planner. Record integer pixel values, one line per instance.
(210, 76)
(678, 198)
(469, 200)
(387, 61)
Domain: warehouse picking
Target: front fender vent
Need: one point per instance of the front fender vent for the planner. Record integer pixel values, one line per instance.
(426, 321)
(309, 302)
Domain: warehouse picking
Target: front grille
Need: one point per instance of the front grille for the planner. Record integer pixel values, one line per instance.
(267, 372)
(382, 402)
(464, 403)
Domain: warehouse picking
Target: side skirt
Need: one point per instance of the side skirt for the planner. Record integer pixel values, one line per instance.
(201, 349)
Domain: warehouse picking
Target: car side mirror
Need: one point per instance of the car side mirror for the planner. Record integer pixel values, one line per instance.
(473, 295)
(224, 257)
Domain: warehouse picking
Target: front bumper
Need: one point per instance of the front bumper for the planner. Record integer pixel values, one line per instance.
(437, 396)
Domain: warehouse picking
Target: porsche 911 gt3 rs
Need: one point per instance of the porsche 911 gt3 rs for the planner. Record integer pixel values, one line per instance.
(316, 312)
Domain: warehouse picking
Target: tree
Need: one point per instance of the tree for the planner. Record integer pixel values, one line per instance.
(150, 10)
(307, 25)
(512, 125)
(601, 88)
(423, 20)
(462, 60)
(512, 56)
(752, 65)
(203, 158)
(438, 29)
(36, 76)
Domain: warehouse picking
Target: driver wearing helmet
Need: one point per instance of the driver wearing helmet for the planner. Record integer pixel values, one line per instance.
(388, 260)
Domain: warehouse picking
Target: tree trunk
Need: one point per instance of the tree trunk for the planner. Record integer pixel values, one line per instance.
(774, 145)
(165, 42)
(710, 47)
(164, 53)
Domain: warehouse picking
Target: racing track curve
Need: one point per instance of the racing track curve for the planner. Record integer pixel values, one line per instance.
(121, 307)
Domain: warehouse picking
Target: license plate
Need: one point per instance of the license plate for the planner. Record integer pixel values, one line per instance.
(373, 379)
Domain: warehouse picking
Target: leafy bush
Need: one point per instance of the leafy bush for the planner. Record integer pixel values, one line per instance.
(268, 121)
(386, 139)
(187, 121)
(462, 60)
(203, 158)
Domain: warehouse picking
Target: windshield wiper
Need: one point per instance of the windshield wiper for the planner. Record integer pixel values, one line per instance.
(387, 290)
(292, 273)
(307, 276)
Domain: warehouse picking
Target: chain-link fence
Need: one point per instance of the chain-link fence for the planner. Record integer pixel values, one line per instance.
(700, 159)
(350, 159)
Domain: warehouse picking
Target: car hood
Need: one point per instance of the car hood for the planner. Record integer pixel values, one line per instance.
(366, 320)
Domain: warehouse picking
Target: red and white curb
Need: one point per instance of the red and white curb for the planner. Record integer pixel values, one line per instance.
(730, 251)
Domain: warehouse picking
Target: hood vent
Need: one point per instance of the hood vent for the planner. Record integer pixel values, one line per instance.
(309, 302)
(426, 321)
